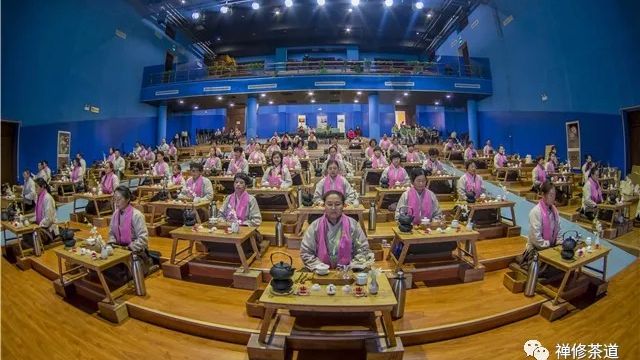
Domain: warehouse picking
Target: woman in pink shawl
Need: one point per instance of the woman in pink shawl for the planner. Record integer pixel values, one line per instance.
(413, 156)
(592, 194)
(334, 238)
(110, 180)
(544, 225)
(277, 175)
(241, 205)
(385, 143)
(45, 212)
(77, 175)
(378, 161)
(299, 151)
(369, 151)
(538, 174)
(334, 182)
(395, 174)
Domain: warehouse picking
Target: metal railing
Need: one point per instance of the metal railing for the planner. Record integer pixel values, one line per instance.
(250, 70)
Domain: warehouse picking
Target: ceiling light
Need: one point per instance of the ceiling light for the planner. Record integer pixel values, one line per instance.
(263, 95)
(232, 104)
(406, 94)
(347, 29)
(313, 101)
(219, 98)
(183, 2)
(181, 102)
(218, 38)
(430, 14)
(195, 15)
(195, 107)
(355, 2)
(397, 101)
(437, 102)
(419, 5)
(388, 3)
(356, 101)
(288, 3)
(321, 2)
(310, 93)
(255, 5)
(359, 93)
(277, 12)
(448, 96)
(319, 109)
(270, 102)
(350, 10)
(224, 9)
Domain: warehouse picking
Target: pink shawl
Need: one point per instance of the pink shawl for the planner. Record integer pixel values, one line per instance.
(377, 163)
(596, 191)
(337, 184)
(75, 174)
(211, 162)
(412, 157)
(40, 206)
(240, 204)
(289, 162)
(107, 183)
(395, 175)
(161, 168)
(502, 159)
(344, 248)
(424, 208)
(256, 157)
(551, 168)
(196, 187)
(300, 152)
(369, 152)
(121, 226)
(469, 153)
(384, 144)
(177, 179)
(275, 176)
(545, 220)
(541, 175)
(236, 166)
(473, 184)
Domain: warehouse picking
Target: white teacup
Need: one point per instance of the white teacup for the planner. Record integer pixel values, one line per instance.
(361, 279)
(322, 269)
(455, 224)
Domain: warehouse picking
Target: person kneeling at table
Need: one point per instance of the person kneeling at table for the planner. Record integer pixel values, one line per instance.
(127, 229)
(544, 230)
(277, 175)
(470, 185)
(538, 174)
(197, 188)
(336, 182)
(394, 174)
(421, 203)
(592, 196)
(47, 229)
(108, 182)
(333, 239)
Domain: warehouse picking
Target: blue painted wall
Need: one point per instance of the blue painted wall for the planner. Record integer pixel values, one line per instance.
(584, 56)
(58, 56)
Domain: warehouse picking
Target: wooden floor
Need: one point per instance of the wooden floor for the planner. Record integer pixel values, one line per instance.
(31, 309)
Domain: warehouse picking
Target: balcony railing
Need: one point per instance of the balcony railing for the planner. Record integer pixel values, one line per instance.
(250, 70)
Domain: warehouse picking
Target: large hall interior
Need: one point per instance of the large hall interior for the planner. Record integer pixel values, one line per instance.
(320, 179)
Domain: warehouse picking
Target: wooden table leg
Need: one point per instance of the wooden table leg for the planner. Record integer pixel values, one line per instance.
(254, 245)
(403, 253)
(174, 249)
(513, 216)
(388, 328)
(604, 269)
(264, 327)
(300, 224)
(95, 203)
(474, 251)
(243, 257)
(105, 286)
(60, 271)
(562, 286)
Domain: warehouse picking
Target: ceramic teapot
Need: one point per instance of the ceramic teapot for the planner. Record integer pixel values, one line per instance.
(307, 199)
(67, 236)
(189, 217)
(281, 274)
(471, 197)
(569, 244)
(405, 219)
(384, 183)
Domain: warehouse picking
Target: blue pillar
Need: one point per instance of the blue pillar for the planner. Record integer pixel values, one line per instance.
(374, 116)
(472, 121)
(162, 123)
(251, 116)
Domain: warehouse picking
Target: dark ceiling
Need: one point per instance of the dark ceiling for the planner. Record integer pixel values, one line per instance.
(247, 32)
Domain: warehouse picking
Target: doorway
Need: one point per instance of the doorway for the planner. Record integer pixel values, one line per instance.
(9, 134)
(463, 52)
(168, 66)
(632, 116)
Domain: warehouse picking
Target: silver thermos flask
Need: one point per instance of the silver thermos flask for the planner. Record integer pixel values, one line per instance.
(400, 291)
(299, 196)
(37, 245)
(363, 185)
(214, 209)
(279, 232)
(532, 279)
(373, 215)
(138, 276)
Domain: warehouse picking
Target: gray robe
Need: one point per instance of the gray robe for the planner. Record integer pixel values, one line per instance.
(462, 187)
(404, 201)
(535, 240)
(285, 174)
(48, 221)
(589, 205)
(29, 191)
(405, 182)
(254, 217)
(350, 194)
(308, 251)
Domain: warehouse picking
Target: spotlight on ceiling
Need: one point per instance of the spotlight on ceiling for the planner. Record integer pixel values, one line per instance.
(406, 94)
(321, 2)
(183, 2)
(419, 5)
(436, 103)
(181, 102)
(270, 102)
(288, 3)
(195, 15)
(224, 9)
(355, 2)
(255, 5)
(359, 93)
(430, 14)
(356, 101)
(350, 10)
(397, 101)
(310, 93)
(348, 29)
(319, 109)
(388, 3)
(219, 98)
(263, 95)
(196, 107)
(232, 104)
(448, 96)
(277, 12)
(313, 101)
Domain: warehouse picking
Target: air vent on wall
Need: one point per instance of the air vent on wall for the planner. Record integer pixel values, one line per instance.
(121, 34)
(507, 20)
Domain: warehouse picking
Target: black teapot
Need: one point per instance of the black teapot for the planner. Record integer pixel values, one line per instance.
(318, 172)
(384, 183)
(612, 199)
(405, 219)
(307, 199)
(281, 274)
(569, 244)
(471, 197)
(366, 164)
(67, 236)
(189, 217)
